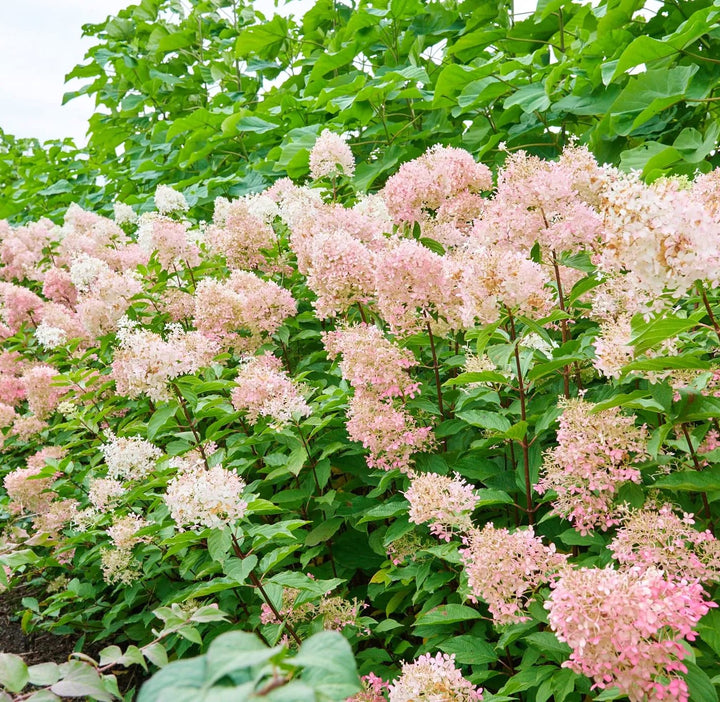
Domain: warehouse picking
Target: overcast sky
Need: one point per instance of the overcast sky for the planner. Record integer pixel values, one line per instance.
(40, 41)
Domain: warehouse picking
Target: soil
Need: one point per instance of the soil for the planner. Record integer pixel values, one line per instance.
(38, 647)
(43, 647)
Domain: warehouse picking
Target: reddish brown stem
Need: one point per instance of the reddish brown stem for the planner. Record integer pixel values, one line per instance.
(563, 325)
(706, 302)
(523, 415)
(258, 585)
(696, 463)
(436, 370)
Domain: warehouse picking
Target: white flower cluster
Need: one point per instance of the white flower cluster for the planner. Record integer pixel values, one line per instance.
(169, 200)
(200, 497)
(50, 337)
(130, 458)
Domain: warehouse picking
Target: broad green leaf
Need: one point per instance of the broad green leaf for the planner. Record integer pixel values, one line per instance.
(13, 672)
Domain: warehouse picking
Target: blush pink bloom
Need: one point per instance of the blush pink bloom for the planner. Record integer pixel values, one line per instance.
(58, 287)
(21, 250)
(42, 390)
(410, 284)
(443, 501)
(504, 569)
(145, 363)
(430, 181)
(372, 363)
(388, 432)
(536, 201)
(658, 538)
(243, 312)
(341, 272)
(170, 240)
(627, 628)
(263, 389)
(330, 156)
(241, 231)
(596, 453)
(19, 306)
(433, 679)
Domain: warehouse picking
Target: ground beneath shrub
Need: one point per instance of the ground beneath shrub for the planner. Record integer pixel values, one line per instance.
(38, 647)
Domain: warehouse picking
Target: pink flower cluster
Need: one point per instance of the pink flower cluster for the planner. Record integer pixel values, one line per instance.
(373, 689)
(242, 312)
(145, 364)
(439, 176)
(659, 538)
(443, 501)
(241, 231)
(504, 569)
(626, 628)
(410, 283)
(31, 494)
(388, 432)
(596, 453)
(377, 371)
(370, 362)
(264, 389)
(538, 201)
(330, 155)
(171, 241)
(433, 678)
(341, 272)
(42, 389)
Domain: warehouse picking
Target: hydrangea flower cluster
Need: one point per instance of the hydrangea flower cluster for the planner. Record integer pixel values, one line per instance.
(170, 240)
(241, 231)
(129, 457)
(340, 271)
(626, 628)
(655, 537)
(145, 363)
(264, 389)
(168, 200)
(377, 370)
(443, 501)
(504, 569)
(431, 678)
(596, 453)
(373, 689)
(330, 156)
(205, 497)
(242, 312)
(427, 183)
(118, 564)
(370, 362)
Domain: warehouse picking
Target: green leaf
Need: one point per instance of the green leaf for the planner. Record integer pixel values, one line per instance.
(469, 650)
(488, 496)
(329, 665)
(80, 679)
(235, 651)
(647, 335)
(699, 685)
(44, 674)
(487, 420)
(478, 377)
(13, 672)
(691, 480)
(323, 532)
(238, 569)
(447, 614)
